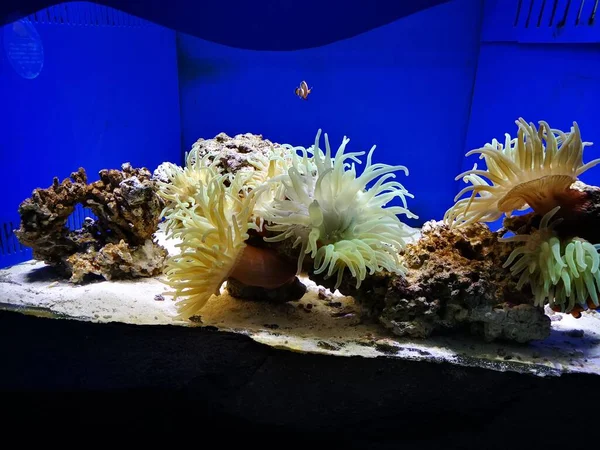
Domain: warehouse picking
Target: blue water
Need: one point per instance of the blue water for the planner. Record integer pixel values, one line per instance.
(86, 85)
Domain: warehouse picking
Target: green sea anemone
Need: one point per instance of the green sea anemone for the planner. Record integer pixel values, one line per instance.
(326, 208)
(563, 273)
(524, 173)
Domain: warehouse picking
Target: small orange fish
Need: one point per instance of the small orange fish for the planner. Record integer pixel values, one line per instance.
(302, 91)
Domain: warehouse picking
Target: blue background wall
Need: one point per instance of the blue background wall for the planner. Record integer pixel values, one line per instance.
(107, 93)
(425, 89)
(405, 87)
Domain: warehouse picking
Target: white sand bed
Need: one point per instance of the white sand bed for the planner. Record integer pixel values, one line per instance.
(317, 323)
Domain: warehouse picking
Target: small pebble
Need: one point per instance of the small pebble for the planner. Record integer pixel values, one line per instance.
(575, 333)
(327, 345)
(342, 313)
(196, 319)
(386, 348)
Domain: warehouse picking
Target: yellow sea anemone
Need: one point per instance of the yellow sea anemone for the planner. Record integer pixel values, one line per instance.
(326, 208)
(183, 183)
(523, 173)
(267, 168)
(213, 235)
(563, 273)
(182, 187)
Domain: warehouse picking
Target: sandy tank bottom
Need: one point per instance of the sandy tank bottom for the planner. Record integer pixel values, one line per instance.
(320, 322)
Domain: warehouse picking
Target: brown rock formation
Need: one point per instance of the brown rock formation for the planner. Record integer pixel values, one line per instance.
(117, 245)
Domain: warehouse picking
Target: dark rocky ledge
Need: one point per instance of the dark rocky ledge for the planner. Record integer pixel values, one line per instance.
(184, 381)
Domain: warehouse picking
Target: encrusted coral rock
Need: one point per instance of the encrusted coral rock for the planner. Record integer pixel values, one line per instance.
(118, 244)
(126, 204)
(118, 261)
(164, 171)
(234, 153)
(43, 218)
(520, 323)
(455, 281)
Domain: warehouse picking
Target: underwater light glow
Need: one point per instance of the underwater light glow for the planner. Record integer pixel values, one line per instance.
(24, 49)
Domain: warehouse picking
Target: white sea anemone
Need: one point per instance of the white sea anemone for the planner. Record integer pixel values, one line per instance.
(326, 208)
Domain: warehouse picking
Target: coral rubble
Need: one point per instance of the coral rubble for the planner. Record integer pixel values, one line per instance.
(119, 244)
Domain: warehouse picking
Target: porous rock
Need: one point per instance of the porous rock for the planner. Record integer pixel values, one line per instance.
(119, 244)
(119, 261)
(234, 153)
(164, 172)
(454, 282)
(125, 203)
(579, 215)
(44, 215)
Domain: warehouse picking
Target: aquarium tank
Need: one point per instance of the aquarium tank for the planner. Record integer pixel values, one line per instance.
(415, 181)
